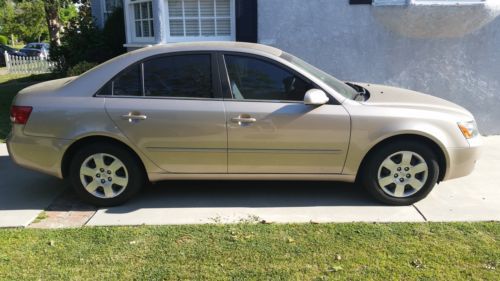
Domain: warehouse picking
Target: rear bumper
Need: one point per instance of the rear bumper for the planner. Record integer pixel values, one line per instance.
(463, 160)
(36, 153)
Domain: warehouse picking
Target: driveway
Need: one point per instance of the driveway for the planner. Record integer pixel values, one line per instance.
(23, 194)
(473, 198)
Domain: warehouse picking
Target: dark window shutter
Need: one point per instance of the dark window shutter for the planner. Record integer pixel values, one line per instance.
(246, 21)
(358, 2)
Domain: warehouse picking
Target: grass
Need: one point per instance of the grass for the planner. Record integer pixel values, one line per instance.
(404, 251)
(10, 84)
(42, 216)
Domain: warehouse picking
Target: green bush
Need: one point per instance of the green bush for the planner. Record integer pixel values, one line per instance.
(83, 43)
(4, 40)
(114, 33)
(80, 68)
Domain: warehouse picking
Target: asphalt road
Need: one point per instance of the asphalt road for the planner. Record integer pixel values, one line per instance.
(24, 194)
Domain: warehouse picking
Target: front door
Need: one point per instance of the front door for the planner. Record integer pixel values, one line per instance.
(168, 107)
(271, 130)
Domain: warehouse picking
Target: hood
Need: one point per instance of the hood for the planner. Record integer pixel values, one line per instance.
(46, 87)
(386, 96)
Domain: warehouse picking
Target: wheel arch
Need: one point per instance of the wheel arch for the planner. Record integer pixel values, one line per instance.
(434, 145)
(75, 146)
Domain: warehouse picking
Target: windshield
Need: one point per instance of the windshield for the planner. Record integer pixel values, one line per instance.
(7, 48)
(339, 86)
(34, 46)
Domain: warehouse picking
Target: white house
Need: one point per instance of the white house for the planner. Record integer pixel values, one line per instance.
(447, 48)
(168, 21)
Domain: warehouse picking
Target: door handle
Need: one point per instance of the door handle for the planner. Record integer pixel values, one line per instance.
(134, 116)
(243, 120)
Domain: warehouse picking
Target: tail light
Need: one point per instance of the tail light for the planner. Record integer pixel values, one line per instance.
(20, 114)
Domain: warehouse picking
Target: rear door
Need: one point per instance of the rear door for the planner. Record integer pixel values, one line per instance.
(170, 107)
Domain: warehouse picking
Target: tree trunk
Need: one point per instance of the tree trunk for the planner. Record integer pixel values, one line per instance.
(53, 21)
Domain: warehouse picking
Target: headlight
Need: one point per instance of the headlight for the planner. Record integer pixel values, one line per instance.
(468, 129)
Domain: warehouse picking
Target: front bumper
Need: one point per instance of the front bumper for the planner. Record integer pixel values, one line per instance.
(463, 160)
(41, 154)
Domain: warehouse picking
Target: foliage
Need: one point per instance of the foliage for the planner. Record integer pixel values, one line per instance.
(27, 19)
(350, 251)
(58, 13)
(24, 19)
(80, 68)
(4, 40)
(114, 32)
(82, 41)
(67, 12)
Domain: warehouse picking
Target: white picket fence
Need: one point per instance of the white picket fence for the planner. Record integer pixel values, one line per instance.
(28, 65)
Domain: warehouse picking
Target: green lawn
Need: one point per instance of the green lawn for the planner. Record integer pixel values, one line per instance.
(352, 251)
(10, 84)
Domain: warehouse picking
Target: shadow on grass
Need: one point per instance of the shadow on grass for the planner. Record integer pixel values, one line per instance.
(9, 79)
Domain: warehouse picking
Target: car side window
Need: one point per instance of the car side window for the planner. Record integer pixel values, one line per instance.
(126, 83)
(188, 76)
(255, 79)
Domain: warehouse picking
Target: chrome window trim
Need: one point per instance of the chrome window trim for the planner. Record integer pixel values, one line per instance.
(215, 77)
(268, 101)
(157, 98)
(209, 99)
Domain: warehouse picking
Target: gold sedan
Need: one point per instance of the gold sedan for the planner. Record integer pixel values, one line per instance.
(226, 110)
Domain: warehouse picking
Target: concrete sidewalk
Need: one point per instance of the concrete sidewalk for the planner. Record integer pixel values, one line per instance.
(473, 198)
(23, 194)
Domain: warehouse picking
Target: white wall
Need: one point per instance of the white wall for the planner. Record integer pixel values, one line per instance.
(454, 54)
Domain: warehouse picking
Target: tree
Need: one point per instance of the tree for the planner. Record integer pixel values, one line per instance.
(84, 45)
(7, 23)
(54, 25)
(55, 16)
(31, 21)
(24, 19)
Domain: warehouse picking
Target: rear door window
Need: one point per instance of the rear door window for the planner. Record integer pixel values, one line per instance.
(186, 76)
(181, 76)
(127, 83)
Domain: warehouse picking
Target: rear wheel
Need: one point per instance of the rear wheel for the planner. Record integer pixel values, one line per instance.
(401, 173)
(103, 174)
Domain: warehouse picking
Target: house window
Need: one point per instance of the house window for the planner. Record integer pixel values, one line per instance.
(389, 2)
(109, 7)
(142, 21)
(200, 20)
(445, 2)
(425, 2)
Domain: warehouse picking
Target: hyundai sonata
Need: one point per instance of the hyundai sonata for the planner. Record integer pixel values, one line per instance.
(218, 111)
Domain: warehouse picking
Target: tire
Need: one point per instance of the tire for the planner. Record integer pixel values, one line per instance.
(105, 174)
(401, 182)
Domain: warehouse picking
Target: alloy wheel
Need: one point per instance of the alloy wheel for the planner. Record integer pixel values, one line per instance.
(103, 175)
(402, 174)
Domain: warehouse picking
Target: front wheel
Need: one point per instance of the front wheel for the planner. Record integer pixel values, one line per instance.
(401, 173)
(103, 174)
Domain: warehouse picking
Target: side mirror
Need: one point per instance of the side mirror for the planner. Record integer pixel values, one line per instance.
(315, 97)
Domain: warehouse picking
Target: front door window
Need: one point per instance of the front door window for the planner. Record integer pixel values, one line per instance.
(255, 79)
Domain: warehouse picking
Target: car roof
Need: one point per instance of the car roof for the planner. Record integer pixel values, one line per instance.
(209, 46)
(100, 74)
(37, 44)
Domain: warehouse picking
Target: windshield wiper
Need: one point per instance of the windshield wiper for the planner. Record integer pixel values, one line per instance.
(361, 92)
